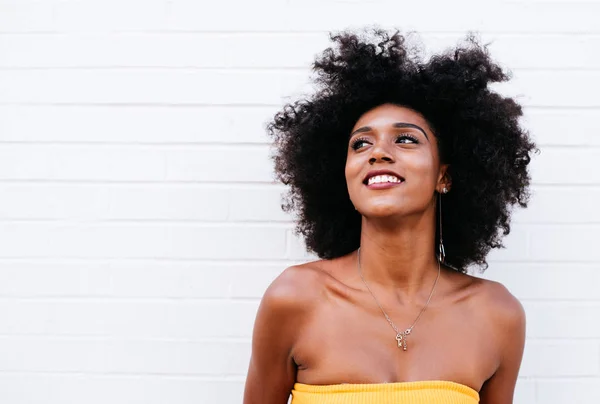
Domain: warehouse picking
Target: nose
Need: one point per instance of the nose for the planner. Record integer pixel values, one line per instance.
(380, 153)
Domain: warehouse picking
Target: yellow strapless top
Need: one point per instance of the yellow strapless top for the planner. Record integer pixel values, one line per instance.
(420, 392)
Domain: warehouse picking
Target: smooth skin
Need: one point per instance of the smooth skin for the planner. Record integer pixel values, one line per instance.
(318, 324)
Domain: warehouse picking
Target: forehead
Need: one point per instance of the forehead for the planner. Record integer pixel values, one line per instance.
(387, 114)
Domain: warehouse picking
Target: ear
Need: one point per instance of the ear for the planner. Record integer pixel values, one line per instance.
(444, 179)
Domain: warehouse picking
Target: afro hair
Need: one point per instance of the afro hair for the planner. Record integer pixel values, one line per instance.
(477, 130)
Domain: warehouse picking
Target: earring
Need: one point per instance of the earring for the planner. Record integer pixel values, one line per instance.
(441, 250)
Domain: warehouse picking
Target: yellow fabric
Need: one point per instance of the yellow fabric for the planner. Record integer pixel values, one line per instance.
(420, 392)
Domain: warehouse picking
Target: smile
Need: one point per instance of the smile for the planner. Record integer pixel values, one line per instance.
(379, 179)
(383, 181)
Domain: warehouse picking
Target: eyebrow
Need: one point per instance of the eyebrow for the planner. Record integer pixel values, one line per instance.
(395, 125)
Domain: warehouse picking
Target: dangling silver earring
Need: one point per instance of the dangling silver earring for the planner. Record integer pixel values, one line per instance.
(441, 250)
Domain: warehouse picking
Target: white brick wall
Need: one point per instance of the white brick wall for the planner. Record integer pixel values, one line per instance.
(139, 222)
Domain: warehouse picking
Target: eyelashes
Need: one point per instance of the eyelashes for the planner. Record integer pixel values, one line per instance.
(405, 138)
(355, 144)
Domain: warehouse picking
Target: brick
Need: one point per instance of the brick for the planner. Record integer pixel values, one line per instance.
(152, 86)
(179, 241)
(515, 51)
(571, 243)
(562, 127)
(110, 15)
(220, 163)
(124, 356)
(560, 205)
(121, 279)
(557, 320)
(548, 280)
(251, 282)
(561, 359)
(81, 163)
(58, 279)
(258, 204)
(530, 88)
(521, 50)
(117, 389)
(173, 49)
(569, 390)
(113, 202)
(75, 202)
(122, 319)
(576, 166)
(300, 16)
(170, 279)
(23, 16)
(92, 16)
(135, 124)
(114, 163)
(168, 203)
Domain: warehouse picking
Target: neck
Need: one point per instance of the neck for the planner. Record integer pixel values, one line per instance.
(400, 255)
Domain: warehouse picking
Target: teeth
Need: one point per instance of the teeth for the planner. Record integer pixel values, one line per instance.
(383, 178)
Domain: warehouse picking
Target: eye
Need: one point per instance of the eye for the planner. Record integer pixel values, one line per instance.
(407, 138)
(357, 142)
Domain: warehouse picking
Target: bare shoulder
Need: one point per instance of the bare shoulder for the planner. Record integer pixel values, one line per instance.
(490, 301)
(504, 316)
(284, 309)
(296, 290)
(500, 303)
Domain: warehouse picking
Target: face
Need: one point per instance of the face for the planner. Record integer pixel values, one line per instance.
(398, 143)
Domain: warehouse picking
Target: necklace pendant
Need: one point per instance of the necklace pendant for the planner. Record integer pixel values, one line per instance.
(401, 338)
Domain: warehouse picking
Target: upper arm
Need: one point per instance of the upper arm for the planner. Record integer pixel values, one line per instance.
(283, 308)
(510, 324)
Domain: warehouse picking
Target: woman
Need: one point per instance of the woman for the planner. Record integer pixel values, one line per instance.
(402, 174)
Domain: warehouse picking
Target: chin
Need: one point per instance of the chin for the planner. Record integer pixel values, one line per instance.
(383, 212)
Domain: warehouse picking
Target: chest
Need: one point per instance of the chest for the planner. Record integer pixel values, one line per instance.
(344, 344)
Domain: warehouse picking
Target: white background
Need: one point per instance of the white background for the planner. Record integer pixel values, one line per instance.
(139, 220)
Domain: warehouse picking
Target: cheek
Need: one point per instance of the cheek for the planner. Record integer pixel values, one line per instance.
(352, 167)
(421, 174)
(352, 172)
(420, 164)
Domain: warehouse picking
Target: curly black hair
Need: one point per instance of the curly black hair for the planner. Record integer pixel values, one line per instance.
(477, 131)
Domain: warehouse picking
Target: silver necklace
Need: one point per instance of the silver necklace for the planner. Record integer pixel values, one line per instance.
(400, 335)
